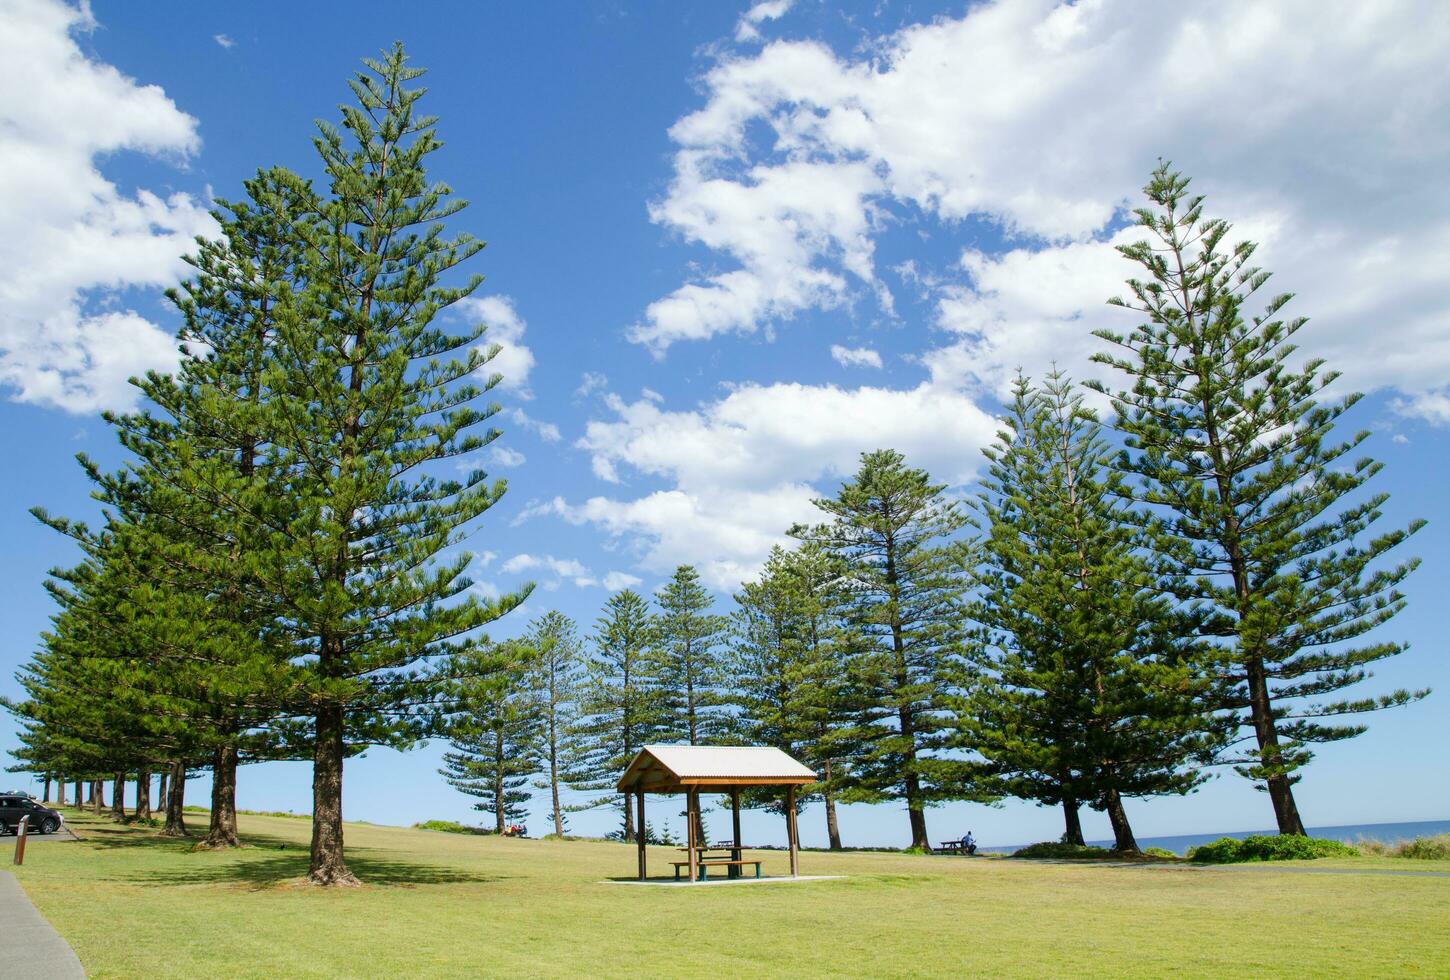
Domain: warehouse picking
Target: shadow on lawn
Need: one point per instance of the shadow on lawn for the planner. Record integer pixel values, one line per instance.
(264, 861)
(262, 869)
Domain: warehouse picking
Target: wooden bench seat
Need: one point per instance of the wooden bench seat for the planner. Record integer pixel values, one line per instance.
(716, 862)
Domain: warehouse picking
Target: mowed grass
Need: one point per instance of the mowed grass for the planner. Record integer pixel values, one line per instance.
(436, 904)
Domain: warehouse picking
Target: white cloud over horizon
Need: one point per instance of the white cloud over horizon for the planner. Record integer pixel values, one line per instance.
(71, 241)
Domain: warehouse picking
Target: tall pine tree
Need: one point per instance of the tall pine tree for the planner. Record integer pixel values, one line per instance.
(689, 668)
(497, 739)
(368, 397)
(558, 661)
(1088, 691)
(892, 531)
(1258, 511)
(620, 704)
(788, 662)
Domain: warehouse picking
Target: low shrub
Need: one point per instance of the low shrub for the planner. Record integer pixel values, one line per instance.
(1283, 847)
(1159, 852)
(1425, 848)
(450, 827)
(1435, 848)
(1057, 849)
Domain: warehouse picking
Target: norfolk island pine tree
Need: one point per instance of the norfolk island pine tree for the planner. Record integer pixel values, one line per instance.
(498, 730)
(558, 662)
(788, 656)
(620, 708)
(892, 532)
(1255, 512)
(1090, 685)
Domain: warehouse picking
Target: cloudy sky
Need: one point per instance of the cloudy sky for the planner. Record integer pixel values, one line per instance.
(732, 247)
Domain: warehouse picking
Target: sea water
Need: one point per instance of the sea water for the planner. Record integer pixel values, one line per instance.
(1385, 833)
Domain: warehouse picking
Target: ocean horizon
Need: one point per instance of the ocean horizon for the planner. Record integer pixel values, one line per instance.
(1385, 833)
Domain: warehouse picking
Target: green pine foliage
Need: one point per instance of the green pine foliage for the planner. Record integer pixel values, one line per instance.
(788, 658)
(1260, 516)
(689, 669)
(1089, 688)
(620, 707)
(497, 737)
(892, 531)
(558, 660)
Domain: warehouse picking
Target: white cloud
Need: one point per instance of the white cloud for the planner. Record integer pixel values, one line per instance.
(71, 240)
(855, 356)
(748, 27)
(590, 382)
(547, 431)
(560, 570)
(505, 330)
(744, 468)
(223, 40)
(504, 456)
(1320, 128)
(614, 581)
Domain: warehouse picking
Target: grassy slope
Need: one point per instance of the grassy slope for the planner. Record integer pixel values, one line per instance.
(437, 904)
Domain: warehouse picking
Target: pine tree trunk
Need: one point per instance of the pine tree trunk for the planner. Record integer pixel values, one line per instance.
(143, 794)
(163, 787)
(327, 864)
(98, 796)
(1072, 833)
(118, 797)
(223, 829)
(558, 810)
(45, 798)
(79, 804)
(1281, 791)
(60, 788)
(833, 829)
(1123, 839)
(700, 825)
(628, 821)
(176, 802)
(90, 793)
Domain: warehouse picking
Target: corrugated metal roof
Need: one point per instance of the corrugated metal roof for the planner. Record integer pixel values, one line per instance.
(727, 762)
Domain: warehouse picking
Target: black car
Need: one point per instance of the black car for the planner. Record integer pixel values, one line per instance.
(13, 809)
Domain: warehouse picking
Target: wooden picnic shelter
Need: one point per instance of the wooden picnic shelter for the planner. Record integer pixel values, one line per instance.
(726, 769)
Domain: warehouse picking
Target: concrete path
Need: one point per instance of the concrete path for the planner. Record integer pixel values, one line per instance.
(30, 946)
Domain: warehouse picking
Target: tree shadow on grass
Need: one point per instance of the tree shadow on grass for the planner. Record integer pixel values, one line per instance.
(264, 861)
(262, 870)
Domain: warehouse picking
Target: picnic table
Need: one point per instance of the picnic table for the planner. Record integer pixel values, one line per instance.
(953, 847)
(728, 857)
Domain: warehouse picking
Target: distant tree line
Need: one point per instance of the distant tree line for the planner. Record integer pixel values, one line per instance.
(279, 574)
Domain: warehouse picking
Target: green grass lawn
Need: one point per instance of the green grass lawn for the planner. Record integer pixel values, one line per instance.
(436, 904)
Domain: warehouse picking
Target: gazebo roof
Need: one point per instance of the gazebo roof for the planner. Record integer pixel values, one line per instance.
(675, 768)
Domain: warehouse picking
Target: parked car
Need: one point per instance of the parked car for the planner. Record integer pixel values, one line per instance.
(14, 808)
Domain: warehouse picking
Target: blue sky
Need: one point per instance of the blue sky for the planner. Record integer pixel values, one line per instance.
(731, 247)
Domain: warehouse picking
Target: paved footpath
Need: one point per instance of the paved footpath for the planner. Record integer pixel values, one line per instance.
(30, 946)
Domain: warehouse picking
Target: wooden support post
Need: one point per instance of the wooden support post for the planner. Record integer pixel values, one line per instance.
(790, 830)
(639, 834)
(691, 803)
(735, 869)
(20, 833)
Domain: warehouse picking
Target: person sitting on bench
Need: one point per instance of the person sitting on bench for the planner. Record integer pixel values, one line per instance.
(969, 844)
